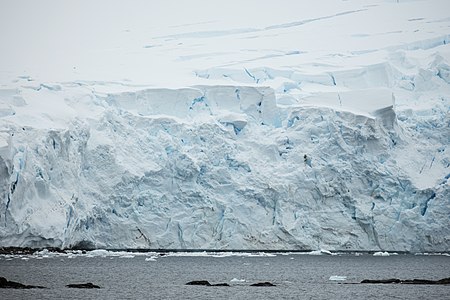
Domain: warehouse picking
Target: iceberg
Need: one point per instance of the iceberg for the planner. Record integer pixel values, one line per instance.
(338, 278)
(379, 253)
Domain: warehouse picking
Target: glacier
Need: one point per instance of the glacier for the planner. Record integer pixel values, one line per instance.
(311, 144)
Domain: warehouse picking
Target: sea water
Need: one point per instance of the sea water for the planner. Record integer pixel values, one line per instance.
(296, 276)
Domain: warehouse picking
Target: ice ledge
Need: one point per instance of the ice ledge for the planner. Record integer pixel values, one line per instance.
(373, 103)
(258, 103)
(249, 104)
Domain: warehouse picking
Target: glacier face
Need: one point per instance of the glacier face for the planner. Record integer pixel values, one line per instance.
(257, 146)
(221, 167)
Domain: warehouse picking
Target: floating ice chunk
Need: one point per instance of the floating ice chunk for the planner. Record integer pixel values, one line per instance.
(235, 280)
(261, 254)
(315, 252)
(434, 254)
(153, 258)
(189, 254)
(320, 252)
(381, 254)
(42, 252)
(99, 252)
(338, 278)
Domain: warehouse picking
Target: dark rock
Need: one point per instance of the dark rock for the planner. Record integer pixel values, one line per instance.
(88, 285)
(220, 284)
(384, 281)
(199, 282)
(263, 284)
(5, 284)
(27, 250)
(408, 281)
(444, 281)
(16, 250)
(205, 283)
(418, 281)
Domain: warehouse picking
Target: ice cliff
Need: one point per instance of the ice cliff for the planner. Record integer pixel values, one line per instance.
(222, 167)
(343, 149)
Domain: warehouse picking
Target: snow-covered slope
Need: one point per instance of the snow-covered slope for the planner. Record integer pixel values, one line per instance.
(281, 125)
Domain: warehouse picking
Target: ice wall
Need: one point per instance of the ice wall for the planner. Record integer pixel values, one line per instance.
(216, 167)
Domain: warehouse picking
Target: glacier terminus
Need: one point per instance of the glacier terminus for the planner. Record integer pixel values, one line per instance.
(257, 126)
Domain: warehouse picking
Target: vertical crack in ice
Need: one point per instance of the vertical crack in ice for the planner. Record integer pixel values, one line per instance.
(423, 166)
(432, 161)
(332, 78)
(219, 227)
(142, 235)
(251, 75)
(424, 206)
(238, 94)
(180, 236)
(7, 206)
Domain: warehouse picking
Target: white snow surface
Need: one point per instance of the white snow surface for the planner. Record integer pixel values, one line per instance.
(291, 125)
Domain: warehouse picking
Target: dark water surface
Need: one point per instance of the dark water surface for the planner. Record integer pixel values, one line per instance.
(296, 276)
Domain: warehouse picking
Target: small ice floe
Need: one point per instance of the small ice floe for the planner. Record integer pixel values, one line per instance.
(235, 280)
(338, 278)
(381, 254)
(320, 252)
(45, 253)
(222, 254)
(262, 254)
(433, 254)
(243, 254)
(127, 256)
(24, 258)
(153, 258)
(190, 254)
(99, 252)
